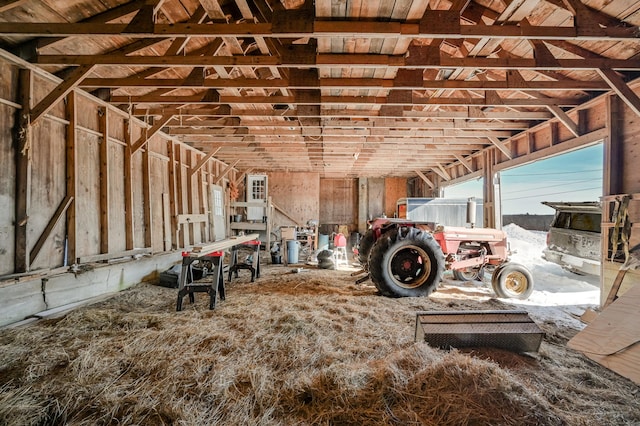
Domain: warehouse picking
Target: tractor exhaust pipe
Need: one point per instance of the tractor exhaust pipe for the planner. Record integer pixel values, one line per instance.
(471, 212)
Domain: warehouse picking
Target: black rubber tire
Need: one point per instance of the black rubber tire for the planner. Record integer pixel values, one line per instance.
(326, 264)
(469, 274)
(324, 254)
(406, 262)
(366, 243)
(512, 281)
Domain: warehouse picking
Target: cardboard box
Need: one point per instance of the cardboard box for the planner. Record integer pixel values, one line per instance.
(288, 233)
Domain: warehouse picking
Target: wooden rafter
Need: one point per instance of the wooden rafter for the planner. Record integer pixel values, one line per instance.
(501, 146)
(148, 134)
(226, 171)
(621, 88)
(440, 171)
(203, 161)
(6, 5)
(464, 162)
(59, 92)
(425, 179)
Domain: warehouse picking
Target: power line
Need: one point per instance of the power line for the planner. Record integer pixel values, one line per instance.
(551, 173)
(560, 184)
(553, 193)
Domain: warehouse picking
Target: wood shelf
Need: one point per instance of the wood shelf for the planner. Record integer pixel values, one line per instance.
(253, 226)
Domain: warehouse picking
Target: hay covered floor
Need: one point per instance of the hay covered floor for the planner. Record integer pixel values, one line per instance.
(291, 348)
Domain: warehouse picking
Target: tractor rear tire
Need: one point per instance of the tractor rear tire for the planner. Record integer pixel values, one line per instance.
(512, 281)
(366, 243)
(406, 262)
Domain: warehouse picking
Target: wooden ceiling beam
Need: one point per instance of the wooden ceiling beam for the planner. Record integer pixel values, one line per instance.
(202, 98)
(345, 60)
(374, 123)
(320, 28)
(342, 83)
(412, 133)
(464, 113)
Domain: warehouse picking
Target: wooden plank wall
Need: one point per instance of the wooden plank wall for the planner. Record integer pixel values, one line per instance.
(621, 162)
(104, 186)
(394, 189)
(296, 193)
(376, 203)
(339, 202)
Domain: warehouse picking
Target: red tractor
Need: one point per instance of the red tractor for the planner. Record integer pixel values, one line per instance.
(405, 258)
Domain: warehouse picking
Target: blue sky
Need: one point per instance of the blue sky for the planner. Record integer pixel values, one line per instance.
(575, 176)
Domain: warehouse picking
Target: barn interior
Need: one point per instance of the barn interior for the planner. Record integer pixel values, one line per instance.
(135, 133)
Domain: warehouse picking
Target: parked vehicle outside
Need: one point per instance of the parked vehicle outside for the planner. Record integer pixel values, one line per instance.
(573, 240)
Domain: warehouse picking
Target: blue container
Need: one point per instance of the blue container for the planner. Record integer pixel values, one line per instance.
(323, 242)
(292, 251)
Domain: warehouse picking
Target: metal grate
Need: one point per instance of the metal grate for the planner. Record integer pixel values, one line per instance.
(510, 330)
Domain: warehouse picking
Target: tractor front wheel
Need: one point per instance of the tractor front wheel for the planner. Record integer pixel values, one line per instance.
(406, 262)
(469, 274)
(512, 280)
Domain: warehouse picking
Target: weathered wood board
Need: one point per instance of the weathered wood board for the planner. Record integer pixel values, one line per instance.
(88, 195)
(339, 201)
(376, 189)
(7, 191)
(394, 189)
(612, 339)
(296, 193)
(117, 232)
(48, 189)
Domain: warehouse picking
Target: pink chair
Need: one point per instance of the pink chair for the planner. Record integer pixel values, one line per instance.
(340, 250)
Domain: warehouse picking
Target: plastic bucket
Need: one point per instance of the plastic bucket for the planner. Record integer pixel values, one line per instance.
(292, 251)
(323, 242)
(276, 259)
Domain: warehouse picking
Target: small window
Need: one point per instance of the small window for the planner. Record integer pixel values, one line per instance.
(217, 202)
(258, 189)
(588, 222)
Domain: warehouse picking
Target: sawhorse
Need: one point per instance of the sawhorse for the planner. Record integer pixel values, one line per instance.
(254, 266)
(187, 285)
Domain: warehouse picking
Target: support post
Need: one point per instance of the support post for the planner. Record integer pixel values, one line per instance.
(146, 198)
(128, 189)
(71, 155)
(363, 203)
(491, 192)
(612, 158)
(104, 179)
(173, 212)
(23, 147)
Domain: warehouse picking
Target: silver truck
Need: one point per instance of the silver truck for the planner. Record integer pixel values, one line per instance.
(573, 240)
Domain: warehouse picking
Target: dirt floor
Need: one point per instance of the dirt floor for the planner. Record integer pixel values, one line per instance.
(292, 348)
